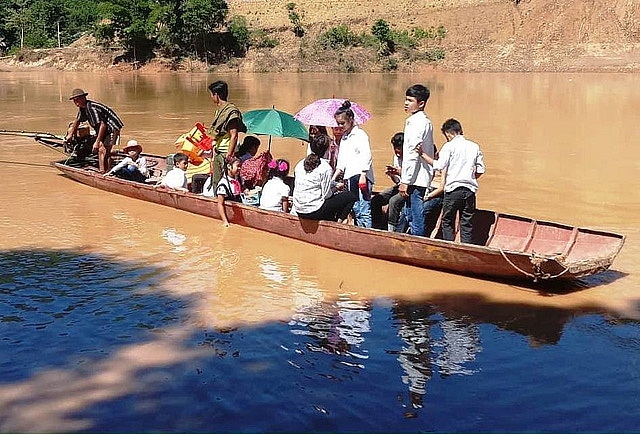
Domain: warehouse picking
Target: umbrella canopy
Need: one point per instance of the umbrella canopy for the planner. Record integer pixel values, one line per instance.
(320, 112)
(274, 122)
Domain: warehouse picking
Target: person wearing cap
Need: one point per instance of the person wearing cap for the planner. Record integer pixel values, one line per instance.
(133, 167)
(103, 120)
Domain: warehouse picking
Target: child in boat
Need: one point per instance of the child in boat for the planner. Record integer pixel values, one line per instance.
(275, 193)
(248, 148)
(176, 178)
(390, 197)
(133, 167)
(229, 187)
(464, 163)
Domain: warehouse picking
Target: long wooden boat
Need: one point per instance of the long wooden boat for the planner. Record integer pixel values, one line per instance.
(505, 246)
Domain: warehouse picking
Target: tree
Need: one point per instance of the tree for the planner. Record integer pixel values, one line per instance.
(18, 18)
(381, 31)
(200, 18)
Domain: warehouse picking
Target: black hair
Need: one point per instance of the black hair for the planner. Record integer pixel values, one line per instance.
(452, 126)
(221, 88)
(228, 162)
(178, 157)
(419, 92)
(319, 145)
(248, 143)
(345, 108)
(397, 141)
(321, 129)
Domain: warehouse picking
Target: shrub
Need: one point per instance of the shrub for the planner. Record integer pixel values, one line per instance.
(296, 20)
(383, 34)
(261, 39)
(239, 30)
(434, 54)
(339, 36)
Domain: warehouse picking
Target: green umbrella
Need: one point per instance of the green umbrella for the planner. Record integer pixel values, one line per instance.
(274, 122)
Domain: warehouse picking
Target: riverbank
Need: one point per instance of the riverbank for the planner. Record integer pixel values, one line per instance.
(481, 35)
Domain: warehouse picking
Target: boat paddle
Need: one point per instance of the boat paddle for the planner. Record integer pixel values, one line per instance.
(33, 134)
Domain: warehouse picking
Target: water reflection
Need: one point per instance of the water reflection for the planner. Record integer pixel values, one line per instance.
(113, 337)
(433, 342)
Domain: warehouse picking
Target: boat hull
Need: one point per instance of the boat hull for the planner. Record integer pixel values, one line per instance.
(494, 257)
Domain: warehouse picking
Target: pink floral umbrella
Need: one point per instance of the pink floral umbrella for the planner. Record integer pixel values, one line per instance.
(320, 112)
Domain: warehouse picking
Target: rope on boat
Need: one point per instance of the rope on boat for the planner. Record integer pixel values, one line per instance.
(537, 262)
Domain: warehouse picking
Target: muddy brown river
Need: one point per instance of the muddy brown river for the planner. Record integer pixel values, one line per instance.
(117, 306)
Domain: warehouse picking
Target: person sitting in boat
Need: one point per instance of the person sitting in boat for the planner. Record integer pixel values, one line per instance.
(464, 163)
(228, 187)
(103, 120)
(387, 219)
(133, 167)
(275, 193)
(248, 148)
(314, 196)
(176, 178)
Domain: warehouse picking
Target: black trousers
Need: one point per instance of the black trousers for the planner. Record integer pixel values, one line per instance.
(335, 208)
(463, 201)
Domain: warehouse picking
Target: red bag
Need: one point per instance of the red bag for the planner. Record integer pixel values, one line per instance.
(254, 171)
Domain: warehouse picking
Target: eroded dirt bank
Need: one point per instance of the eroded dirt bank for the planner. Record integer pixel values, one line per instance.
(482, 35)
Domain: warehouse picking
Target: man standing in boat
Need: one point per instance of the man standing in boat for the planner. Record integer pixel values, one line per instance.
(226, 125)
(464, 162)
(416, 174)
(103, 120)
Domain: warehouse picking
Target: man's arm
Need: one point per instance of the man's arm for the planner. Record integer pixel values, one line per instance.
(233, 135)
(72, 130)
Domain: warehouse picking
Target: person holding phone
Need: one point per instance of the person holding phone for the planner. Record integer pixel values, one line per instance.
(387, 205)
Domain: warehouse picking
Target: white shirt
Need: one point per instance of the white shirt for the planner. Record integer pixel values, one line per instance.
(313, 188)
(355, 154)
(417, 130)
(175, 178)
(463, 159)
(140, 164)
(228, 186)
(272, 194)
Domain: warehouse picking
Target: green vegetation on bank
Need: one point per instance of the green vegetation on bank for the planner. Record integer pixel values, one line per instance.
(202, 29)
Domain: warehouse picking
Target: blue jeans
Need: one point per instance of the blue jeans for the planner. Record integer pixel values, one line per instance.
(431, 212)
(415, 209)
(362, 207)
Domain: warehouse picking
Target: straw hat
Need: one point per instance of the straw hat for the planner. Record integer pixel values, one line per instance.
(132, 144)
(76, 93)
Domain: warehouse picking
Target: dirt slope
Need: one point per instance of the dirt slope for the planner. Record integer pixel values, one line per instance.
(482, 35)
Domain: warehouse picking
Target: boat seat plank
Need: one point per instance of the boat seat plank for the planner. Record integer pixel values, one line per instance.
(550, 239)
(511, 233)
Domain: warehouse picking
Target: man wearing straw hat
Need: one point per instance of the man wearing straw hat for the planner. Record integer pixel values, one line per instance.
(103, 120)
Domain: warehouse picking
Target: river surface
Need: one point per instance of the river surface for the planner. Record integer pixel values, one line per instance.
(121, 315)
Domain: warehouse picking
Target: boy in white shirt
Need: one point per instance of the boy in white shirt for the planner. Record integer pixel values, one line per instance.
(416, 174)
(176, 178)
(464, 163)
